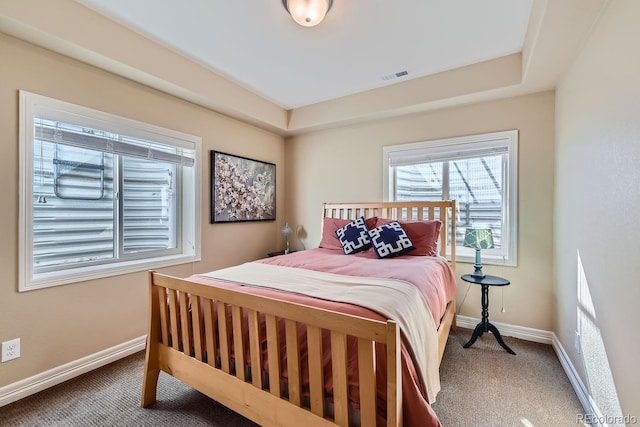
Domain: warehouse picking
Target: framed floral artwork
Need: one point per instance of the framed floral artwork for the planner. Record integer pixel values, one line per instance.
(242, 189)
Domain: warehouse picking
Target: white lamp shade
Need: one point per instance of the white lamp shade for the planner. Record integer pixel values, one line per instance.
(286, 230)
(308, 12)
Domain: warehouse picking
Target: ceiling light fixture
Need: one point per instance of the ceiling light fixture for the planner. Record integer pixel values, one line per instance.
(307, 13)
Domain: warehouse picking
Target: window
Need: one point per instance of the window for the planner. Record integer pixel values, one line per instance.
(479, 172)
(102, 195)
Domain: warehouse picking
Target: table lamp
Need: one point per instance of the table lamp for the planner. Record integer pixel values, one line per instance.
(286, 232)
(478, 238)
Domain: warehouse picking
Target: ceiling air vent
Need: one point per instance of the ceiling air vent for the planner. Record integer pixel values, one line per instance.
(396, 75)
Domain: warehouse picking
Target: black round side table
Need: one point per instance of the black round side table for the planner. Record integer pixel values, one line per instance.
(485, 325)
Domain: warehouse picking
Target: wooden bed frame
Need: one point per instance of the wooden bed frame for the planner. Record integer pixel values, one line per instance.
(183, 327)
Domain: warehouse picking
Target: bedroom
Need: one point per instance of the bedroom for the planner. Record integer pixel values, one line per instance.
(565, 133)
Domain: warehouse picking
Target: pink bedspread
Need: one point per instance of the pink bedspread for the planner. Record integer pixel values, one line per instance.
(431, 274)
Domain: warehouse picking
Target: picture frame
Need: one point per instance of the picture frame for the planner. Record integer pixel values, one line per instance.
(242, 189)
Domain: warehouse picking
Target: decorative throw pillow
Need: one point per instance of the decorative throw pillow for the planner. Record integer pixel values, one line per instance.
(330, 225)
(390, 240)
(354, 237)
(423, 234)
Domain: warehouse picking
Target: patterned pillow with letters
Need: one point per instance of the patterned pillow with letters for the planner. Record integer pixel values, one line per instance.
(390, 240)
(354, 237)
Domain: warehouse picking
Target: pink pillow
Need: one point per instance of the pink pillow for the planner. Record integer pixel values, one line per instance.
(423, 234)
(330, 225)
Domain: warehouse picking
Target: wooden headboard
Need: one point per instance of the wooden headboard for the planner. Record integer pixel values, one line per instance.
(442, 210)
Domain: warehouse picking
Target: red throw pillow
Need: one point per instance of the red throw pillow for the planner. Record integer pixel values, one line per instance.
(423, 234)
(330, 225)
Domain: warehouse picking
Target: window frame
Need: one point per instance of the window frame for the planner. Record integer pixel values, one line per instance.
(188, 215)
(508, 254)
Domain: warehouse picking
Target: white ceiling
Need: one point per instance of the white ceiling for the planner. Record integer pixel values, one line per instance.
(250, 61)
(257, 45)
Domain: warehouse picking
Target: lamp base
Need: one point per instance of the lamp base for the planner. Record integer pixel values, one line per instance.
(477, 273)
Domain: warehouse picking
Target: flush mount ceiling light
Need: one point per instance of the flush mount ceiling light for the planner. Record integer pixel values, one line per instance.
(307, 12)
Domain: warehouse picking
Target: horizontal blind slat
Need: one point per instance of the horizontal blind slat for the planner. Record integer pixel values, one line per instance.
(56, 134)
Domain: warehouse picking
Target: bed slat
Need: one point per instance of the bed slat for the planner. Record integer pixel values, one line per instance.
(223, 334)
(316, 376)
(394, 378)
(367, 382)
(254, 348)
(185, 324)
(293, 361)
(164, 327)
(173, 316)
(273, 354)
(238, 341)
(339, 368)
(196, 321)
(210, 331)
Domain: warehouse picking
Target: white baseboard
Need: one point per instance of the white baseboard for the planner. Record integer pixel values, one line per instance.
(44, 380)
(583, 394)
(546, 337)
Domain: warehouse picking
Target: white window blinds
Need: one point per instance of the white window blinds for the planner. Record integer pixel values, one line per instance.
(102, 194)
(107, 142)
(478, 171)
(418, 154)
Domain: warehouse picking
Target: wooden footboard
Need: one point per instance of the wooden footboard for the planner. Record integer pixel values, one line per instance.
(188, 322)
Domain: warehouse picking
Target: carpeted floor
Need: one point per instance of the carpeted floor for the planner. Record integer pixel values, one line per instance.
(481, 386)
(485, 386)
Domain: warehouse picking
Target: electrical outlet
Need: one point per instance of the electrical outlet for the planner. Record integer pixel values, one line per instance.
(10, 350)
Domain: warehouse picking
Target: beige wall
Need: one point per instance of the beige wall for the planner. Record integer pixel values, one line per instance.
(597, 205)
(346, 165)
(62, 324)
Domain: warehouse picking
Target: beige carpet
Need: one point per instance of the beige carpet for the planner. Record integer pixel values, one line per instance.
(481, 386)
(485, 386)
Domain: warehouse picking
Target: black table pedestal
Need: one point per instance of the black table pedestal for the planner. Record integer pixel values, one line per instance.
(485, 325)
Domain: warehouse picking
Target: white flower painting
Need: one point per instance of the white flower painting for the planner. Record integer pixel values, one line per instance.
(242, 189)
